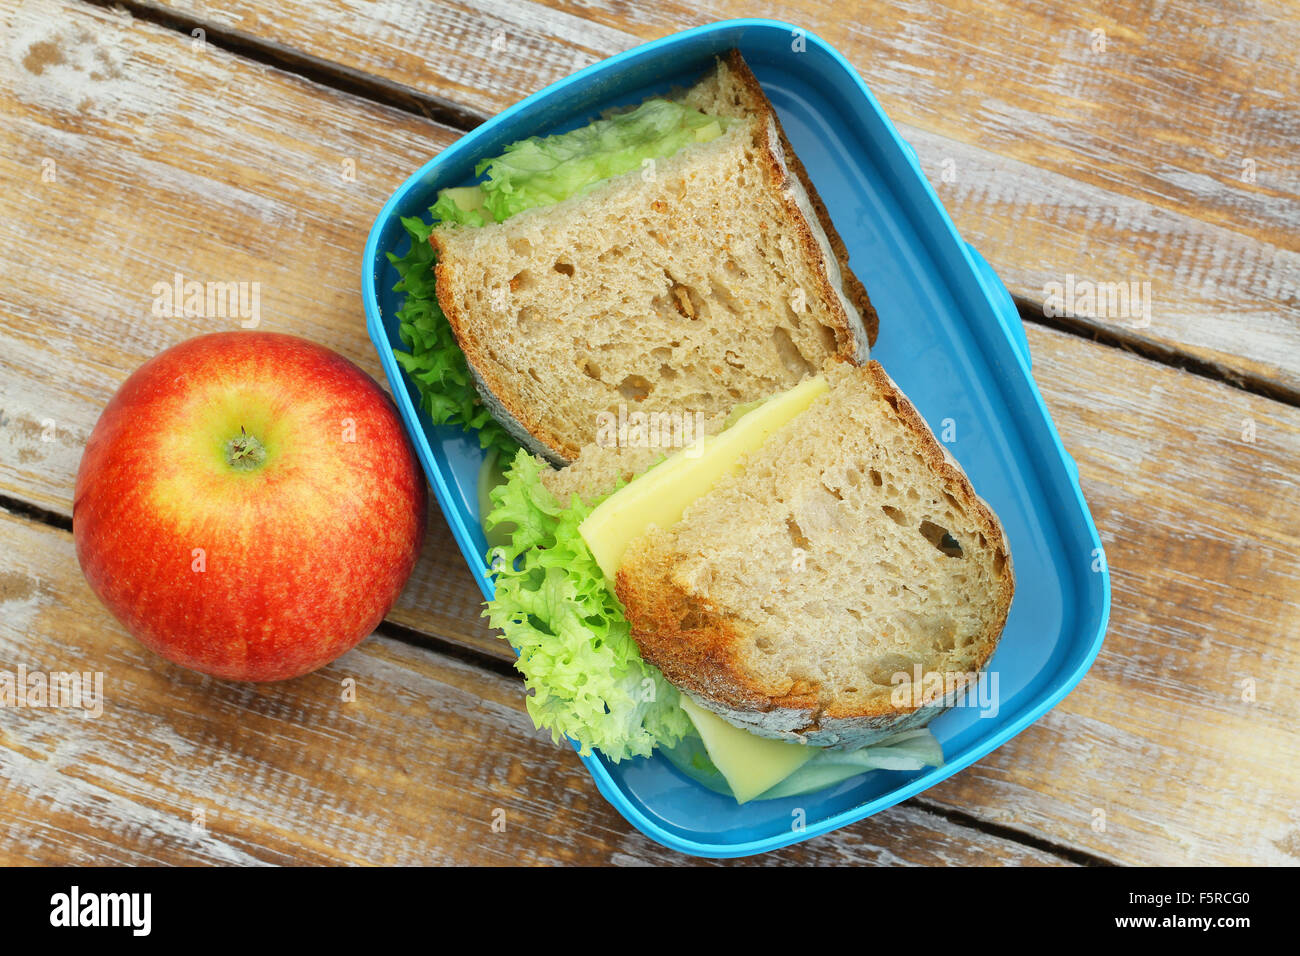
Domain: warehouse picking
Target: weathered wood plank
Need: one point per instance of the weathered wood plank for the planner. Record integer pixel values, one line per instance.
(1157, 457)
(181, 769)
(1167, 157)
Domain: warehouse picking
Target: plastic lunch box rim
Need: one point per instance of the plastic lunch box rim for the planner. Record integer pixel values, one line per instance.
(998, 298)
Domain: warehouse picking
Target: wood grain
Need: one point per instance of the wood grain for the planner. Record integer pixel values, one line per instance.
(1199, 524)
(416, 769)
(1160, 150)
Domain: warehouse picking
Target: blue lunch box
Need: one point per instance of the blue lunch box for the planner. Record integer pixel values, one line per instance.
(950, 336)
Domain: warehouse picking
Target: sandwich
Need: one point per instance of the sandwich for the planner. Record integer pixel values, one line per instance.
(756, 589)
(752, 605)
(672, 256)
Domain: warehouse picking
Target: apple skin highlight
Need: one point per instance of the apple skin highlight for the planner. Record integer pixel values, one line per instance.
(249, 505)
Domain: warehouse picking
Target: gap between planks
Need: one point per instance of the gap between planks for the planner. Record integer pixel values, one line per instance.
(447, 113)
(1033, 312)
(313, 69)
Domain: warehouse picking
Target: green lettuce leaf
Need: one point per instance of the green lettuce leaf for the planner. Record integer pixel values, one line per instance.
(543, 170)
(433, 360)
(584, 673)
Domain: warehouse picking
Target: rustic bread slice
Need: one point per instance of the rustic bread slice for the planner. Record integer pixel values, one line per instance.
(716, 280)
(849, 549)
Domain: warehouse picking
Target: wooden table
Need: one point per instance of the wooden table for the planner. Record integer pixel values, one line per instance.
(240, 140)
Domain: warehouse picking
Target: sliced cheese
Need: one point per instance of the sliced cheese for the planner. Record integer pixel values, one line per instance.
(490, 474)
(752, 765)
(661, 495)
(709, 132)
(470, 199)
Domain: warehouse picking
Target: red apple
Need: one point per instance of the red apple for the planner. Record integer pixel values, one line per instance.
(248, 505)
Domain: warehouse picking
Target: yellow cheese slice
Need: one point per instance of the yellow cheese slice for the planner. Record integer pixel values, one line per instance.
(491, 474)
(661, 495)
(752, 765)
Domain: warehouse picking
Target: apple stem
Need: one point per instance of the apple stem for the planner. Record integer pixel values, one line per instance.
(245, 452)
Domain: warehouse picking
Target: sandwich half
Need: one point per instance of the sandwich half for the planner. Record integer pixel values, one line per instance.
(801, 575)
(675, 257)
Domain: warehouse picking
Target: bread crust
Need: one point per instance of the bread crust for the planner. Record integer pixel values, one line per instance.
(853, 287)
(519, 420)
(697, 646)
